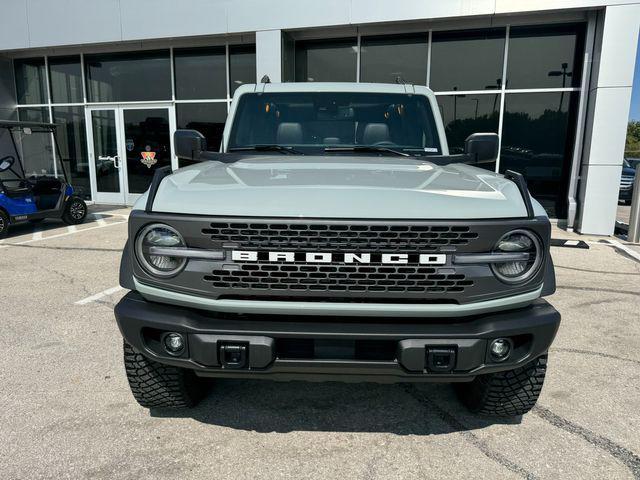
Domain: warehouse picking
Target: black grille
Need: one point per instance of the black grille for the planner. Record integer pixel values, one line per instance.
(378, 279)
(339, 237)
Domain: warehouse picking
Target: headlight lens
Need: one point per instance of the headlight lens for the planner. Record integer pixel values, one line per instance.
(159, 235)
(518, 241)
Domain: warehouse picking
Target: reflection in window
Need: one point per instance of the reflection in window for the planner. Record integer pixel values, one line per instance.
(33, 114)
(31, 83)
(326, 60)
(207, 118)
(545, 57)
(242, 66)
(126, 77)
(469, 60)
(65, 75)
(463, 115)
(73, 147)
(148, 146)
(200, 73)
(537, 141)
(388, 58)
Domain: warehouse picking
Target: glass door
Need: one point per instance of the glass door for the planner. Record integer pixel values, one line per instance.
(105, 156)
(127, 145)
(147, 142)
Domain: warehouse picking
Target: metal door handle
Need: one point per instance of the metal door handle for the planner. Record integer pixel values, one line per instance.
(116, 161)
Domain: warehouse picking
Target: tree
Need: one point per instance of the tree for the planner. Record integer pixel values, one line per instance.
(632, 146)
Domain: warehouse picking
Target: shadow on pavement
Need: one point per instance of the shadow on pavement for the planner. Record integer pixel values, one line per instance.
(267, 406)
(53, 223)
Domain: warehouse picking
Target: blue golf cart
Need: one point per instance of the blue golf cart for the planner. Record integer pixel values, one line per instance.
(33, 181)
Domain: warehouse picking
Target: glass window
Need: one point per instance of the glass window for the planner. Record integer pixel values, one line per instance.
(545, 57)
(311, 121)
(31, 82)
(33, 114)
(537, 141)
(73, 147)
(326, 60)
(242, 66)
(463, 115)
(469, 60)
(207, 118)
(128, 77)
(65, 74)
(385, 59)
(200, 73)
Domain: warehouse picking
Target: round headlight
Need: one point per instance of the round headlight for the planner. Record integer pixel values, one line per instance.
(519, 271)
(159, 235)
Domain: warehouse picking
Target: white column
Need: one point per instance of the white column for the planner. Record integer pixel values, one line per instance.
(607, 116)
(269, 55)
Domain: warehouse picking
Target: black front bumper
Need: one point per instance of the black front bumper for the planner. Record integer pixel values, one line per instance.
(331, 348)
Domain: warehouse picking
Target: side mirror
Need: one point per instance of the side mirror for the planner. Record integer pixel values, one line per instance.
(6, 163)
(189, 144)
(482, 146)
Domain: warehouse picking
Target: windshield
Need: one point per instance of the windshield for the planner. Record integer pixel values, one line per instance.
(35, 153)
(309, 122)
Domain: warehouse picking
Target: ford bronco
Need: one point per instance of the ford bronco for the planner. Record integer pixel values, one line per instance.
(334, 237)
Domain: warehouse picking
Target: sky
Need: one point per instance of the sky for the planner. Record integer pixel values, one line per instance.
(634, 114)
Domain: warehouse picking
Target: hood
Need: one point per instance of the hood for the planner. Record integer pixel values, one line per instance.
(339, 187)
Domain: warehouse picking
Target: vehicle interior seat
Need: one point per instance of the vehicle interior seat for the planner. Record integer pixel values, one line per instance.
(47, 191)
(289, 133)
(16, 188)
(375, 133)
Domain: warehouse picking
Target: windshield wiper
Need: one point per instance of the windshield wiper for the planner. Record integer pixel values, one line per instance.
(266, 148)
(367, 148)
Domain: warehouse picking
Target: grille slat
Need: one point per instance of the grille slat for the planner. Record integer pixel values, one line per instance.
(371, 278)
(340, 238)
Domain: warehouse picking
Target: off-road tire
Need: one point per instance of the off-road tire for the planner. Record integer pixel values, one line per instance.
(4, 224)
(505, 394)
(75, 211)
(160, 386)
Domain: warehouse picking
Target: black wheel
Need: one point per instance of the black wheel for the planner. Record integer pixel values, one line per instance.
(75, 211)
(4, 224)
(505, 394)
(156, 385)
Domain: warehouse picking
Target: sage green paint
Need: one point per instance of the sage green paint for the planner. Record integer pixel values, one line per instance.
(338, 187)
(155, 294)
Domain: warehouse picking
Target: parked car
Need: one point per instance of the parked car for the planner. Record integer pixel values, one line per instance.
(335, 238)
(626, 182)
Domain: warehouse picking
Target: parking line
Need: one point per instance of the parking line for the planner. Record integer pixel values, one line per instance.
(633, 254)
(72, 228)
(7, 245)
(37, 235)
(99, 218)
(98, 296)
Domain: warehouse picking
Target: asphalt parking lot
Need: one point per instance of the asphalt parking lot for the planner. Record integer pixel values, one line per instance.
(67, 411)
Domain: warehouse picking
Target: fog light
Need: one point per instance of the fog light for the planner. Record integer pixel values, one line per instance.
(174, 343)
(500, 349)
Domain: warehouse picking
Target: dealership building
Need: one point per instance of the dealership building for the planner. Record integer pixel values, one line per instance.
(553, 78)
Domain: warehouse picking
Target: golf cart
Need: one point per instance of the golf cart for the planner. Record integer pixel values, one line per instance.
(33, 181)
